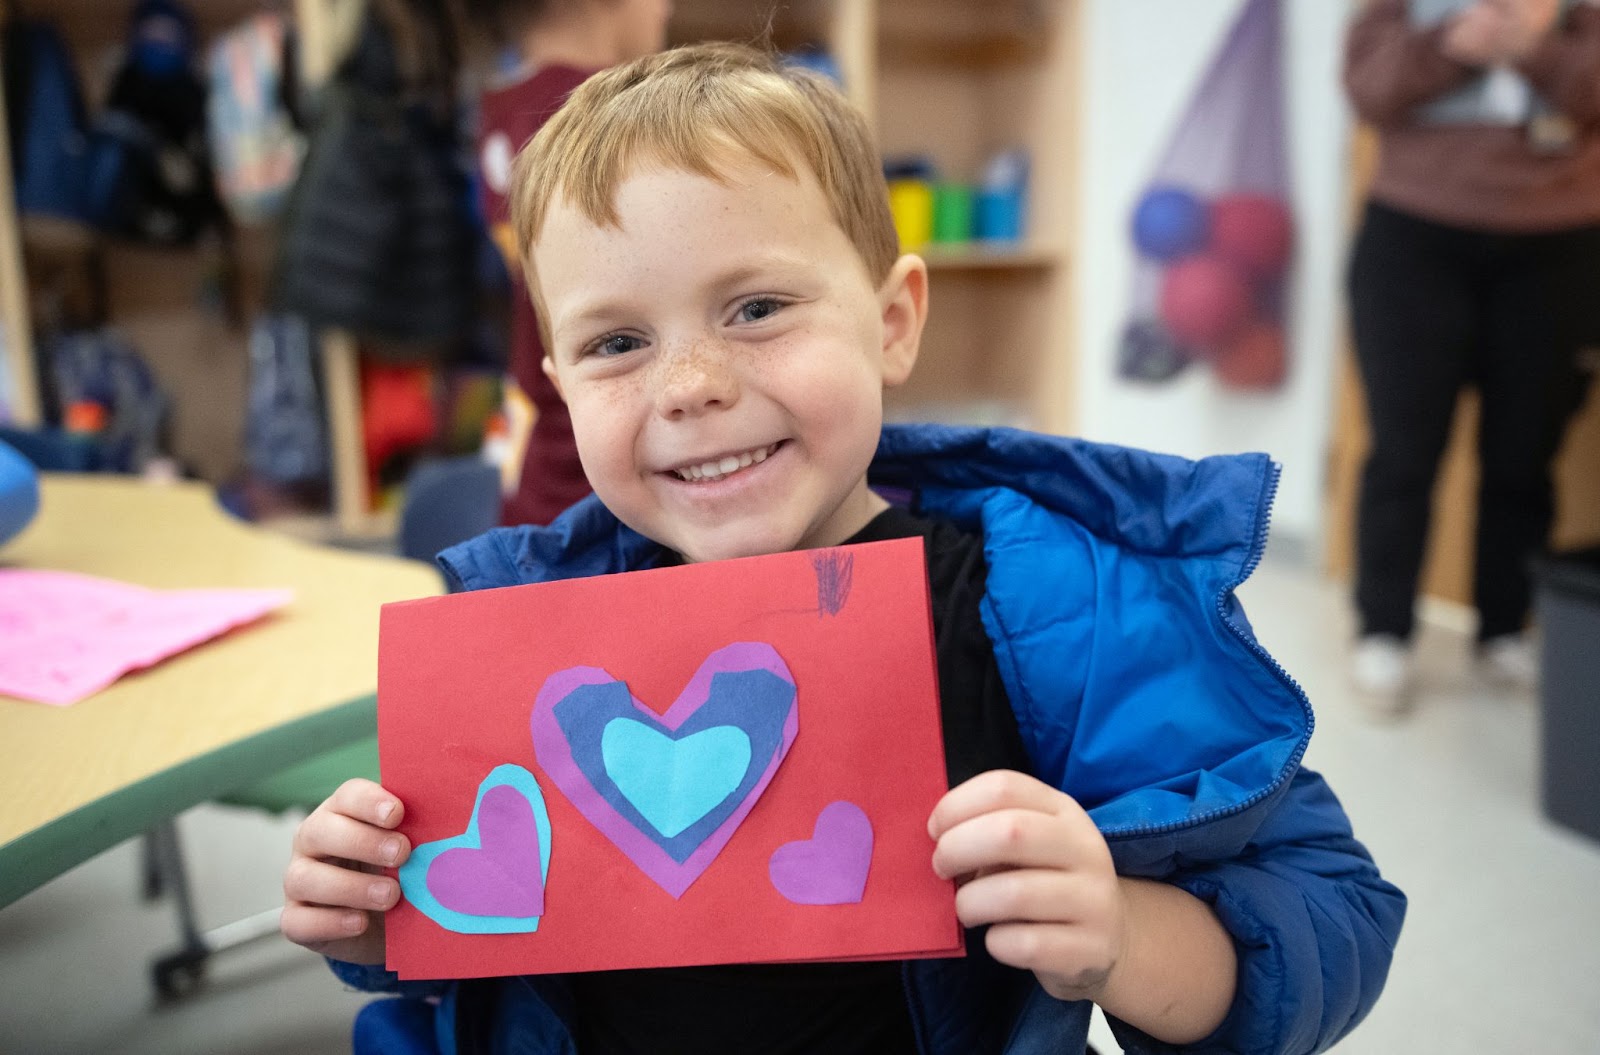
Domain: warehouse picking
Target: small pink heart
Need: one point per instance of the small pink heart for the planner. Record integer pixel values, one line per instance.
(501, 877)
(830, 868)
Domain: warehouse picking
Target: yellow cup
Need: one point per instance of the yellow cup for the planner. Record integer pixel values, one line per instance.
(911, 204)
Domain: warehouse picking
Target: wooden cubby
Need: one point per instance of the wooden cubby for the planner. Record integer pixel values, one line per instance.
(948, 78)
(165, 301)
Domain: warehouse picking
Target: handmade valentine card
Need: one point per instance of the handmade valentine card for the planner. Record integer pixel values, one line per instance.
(719, 763)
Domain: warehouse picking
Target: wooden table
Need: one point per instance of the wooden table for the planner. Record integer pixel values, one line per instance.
(77, 780)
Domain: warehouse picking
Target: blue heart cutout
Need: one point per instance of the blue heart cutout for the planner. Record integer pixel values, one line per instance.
(674, 783)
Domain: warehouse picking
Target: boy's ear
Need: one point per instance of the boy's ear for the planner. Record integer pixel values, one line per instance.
(548, 365)
(904, 298)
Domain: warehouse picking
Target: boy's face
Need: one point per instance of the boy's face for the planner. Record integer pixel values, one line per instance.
(723, 353)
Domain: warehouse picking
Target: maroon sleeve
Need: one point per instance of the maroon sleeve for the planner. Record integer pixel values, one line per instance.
(1391, 66)
(1565, 67)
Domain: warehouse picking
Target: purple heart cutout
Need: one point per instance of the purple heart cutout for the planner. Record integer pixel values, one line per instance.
(830, 868)
(555, 754)
(502, 876)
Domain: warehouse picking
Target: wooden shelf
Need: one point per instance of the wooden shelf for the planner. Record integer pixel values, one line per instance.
(963, 34)
(980, 256)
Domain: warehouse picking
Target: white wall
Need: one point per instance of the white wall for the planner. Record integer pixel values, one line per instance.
(1143, 59)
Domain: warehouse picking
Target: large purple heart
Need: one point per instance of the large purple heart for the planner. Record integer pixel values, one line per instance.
(746, 686)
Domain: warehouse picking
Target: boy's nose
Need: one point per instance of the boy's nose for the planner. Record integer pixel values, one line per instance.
(693, 379)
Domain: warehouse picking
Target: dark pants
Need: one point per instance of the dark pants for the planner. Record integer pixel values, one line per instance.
(1437, 308)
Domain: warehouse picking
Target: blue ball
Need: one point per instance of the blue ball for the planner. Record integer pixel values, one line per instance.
(19, 492)
(1171, 223)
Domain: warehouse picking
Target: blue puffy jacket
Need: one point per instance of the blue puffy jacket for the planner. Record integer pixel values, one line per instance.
(1139, 689)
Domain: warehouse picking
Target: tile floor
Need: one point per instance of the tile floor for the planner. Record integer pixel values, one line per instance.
(1500, 954)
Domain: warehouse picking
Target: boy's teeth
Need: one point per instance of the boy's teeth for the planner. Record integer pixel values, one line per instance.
(731, 464)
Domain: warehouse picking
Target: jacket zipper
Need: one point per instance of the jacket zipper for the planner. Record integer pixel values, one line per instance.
(1252, 560)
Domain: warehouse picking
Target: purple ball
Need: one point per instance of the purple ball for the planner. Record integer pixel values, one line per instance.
(1170, 224)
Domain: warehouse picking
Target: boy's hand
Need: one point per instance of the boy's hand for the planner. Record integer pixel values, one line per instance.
(334, 892)
(1033, 865)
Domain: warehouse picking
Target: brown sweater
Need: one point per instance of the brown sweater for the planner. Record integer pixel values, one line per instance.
(1477, 176)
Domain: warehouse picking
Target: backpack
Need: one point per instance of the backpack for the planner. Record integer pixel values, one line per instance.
(285, 440)
(101, 367)
(255, 147)
(45, 115)
(149, 170)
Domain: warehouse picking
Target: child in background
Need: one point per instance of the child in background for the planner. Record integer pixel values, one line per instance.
(561, 43)
(724, 304)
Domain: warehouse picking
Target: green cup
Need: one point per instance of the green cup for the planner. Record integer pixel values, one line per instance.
(952, 212)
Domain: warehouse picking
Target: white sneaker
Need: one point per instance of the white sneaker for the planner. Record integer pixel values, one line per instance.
(1381, 669)
(1511, 661)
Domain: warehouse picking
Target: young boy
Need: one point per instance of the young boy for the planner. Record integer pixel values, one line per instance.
(711, 253)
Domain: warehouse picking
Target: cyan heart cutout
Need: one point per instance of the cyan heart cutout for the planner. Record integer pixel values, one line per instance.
(666, 794)
(674, 782)
(490, 879)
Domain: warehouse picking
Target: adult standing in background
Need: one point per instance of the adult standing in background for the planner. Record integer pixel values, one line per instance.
(1478, 263)
(560, 44)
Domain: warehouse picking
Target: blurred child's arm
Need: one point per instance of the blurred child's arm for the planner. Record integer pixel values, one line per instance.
(334, 891)
(1039, 873)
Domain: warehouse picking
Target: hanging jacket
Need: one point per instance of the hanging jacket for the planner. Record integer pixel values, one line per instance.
(378, 237)
(1139, 689)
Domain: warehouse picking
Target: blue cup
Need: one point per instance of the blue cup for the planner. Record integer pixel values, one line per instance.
(997, 215)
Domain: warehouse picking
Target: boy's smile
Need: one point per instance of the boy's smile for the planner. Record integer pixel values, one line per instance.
(723, 353)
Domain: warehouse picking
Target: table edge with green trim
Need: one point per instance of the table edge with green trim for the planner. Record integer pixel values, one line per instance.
(38, 856)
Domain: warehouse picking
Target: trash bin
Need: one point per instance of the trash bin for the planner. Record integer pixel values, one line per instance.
(1568, 601)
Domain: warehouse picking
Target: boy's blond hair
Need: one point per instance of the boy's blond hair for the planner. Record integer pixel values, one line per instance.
(699, 109)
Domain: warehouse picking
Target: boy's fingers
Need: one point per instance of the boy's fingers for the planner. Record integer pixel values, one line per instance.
(997, 789)
(314, 925)
(332, 836)
(1045, 895)
(320, 883)
(1007, 838)
(366, 801)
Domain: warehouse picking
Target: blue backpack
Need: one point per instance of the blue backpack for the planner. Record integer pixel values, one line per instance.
(149, 176)
(45, 114)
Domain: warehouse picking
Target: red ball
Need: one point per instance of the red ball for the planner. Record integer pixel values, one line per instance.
(1253, 232)
(1205, 301)
(1257, 359)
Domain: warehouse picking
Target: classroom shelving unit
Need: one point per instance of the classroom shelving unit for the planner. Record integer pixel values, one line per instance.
(957, 81)
(951, 79)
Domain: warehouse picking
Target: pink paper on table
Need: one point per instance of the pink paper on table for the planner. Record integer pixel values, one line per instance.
(64, 636)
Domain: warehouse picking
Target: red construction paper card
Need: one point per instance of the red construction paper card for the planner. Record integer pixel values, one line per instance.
(720, 763)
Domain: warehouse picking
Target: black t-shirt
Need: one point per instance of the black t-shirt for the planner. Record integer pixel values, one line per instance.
(836, 1008)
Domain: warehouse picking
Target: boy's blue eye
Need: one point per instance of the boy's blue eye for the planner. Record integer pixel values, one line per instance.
(617, 344)
(758, 309)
